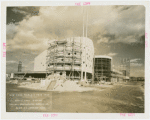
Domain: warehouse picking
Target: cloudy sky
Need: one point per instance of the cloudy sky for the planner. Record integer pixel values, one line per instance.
(116, 31)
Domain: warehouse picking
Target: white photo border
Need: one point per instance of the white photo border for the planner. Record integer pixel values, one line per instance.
(39, 115)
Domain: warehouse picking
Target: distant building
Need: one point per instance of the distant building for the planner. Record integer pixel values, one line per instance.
(125, 67)
(116, 76)
(140, 79)
(20, 66)
(124, 72)
(137, 79)
(33, 74)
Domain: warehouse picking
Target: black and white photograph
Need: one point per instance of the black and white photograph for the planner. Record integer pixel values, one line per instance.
(75, 59)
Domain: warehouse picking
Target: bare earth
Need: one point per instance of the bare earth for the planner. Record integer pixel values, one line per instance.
(121, 98)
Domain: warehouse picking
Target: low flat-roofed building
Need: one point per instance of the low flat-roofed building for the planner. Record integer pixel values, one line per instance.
(116, 76)
(33, 74)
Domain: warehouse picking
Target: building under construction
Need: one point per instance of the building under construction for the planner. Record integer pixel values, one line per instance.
(102, 68)
(71, 57)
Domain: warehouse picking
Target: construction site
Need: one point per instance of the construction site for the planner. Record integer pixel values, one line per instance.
(74, 59)
(69, 64)
(68, 59)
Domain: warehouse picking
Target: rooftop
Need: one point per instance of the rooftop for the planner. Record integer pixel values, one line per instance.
(102, 56)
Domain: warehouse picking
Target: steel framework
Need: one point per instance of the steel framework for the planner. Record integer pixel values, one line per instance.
(63, 56)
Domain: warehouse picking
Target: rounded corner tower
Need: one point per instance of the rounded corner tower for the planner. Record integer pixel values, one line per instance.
(102, 68)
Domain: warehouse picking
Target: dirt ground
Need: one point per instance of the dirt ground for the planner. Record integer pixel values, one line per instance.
(121, 98)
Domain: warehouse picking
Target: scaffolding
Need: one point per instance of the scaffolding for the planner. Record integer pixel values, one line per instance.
(125, 66)
(102, 69)
(65, 56)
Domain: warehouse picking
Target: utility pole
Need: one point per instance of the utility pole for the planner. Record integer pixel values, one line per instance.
(86, 23)
(82, 48)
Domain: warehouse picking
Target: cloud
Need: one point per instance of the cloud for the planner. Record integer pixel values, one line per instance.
(11, 62)
(106, 24)
(111, 54)
(11, 30)
(26, 11)
(19, 11)
(136, 62)
(103, 40)
(126, 24)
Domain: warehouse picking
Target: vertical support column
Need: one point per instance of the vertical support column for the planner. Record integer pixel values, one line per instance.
(47, 60)
(70, 60)
(93, 75)
(46, 64)
(81, 54)
(86, 22)
(64, 57)
(73, 59)
(82, 45)
(54, 58)
(55, 63)
(85, 61)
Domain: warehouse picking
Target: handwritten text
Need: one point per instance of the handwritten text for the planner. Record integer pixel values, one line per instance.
(127, 114)
(146, 42)
(50, 115)
(4, 49)
(84, 3)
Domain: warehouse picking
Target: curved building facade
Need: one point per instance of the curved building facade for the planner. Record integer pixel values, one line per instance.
(40, 62)
(72, 57)
(102, 68)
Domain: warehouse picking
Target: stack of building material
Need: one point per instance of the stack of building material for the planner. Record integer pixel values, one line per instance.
(51, 85)
(44, 84)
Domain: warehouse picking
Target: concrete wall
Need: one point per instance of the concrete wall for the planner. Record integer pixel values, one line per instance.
(40, 62)
(88, 54)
